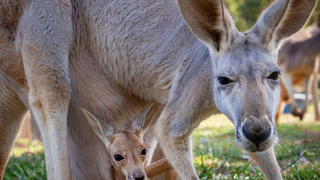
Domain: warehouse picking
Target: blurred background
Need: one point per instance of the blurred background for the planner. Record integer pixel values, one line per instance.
(246, 12)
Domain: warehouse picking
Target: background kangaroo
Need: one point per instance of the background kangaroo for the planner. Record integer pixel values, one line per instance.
(116, 57)
(298, 58)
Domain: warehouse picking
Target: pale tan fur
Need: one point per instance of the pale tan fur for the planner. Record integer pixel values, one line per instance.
(116, 57)
(298, 59)
(157, 168)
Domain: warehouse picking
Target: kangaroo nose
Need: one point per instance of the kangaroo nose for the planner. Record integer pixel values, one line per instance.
(256, 136)
(138, 178)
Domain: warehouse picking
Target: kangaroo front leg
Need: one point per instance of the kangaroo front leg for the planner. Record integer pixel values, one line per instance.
(46, 140)
(46, 35)
(174, 137)
(49, 100)
(268, 163)
(178, 153)
(307, 86)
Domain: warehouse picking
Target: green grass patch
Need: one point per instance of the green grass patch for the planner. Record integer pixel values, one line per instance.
(217, 157)
(27, 162)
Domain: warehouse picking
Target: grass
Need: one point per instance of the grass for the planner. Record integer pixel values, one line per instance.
(215, 154)
(217, 157)
(26, 162)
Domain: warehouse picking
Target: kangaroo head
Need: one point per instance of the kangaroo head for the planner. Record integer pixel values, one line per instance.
(127, 151)
(246, 75)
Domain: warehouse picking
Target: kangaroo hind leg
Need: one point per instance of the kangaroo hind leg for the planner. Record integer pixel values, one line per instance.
(46, 37)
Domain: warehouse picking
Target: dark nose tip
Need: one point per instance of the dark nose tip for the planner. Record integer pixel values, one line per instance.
(256, 136)
(138, 175)
(138, 178)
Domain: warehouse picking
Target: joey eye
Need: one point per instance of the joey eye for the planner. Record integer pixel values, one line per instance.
(274, 75)
(144, 152)
(224, 80)
(118, 157)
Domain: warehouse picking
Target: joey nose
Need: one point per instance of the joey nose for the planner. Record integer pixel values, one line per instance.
(138, 176)
(256, 136)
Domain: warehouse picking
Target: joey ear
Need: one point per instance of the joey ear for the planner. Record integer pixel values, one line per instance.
(144, 119)
(100, 127)
(210, 21)
(281, 20)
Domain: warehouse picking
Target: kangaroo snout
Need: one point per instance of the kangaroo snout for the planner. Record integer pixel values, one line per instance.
(256, 130)
(137, 175)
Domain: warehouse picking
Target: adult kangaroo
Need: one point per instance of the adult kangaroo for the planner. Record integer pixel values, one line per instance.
(115, 57)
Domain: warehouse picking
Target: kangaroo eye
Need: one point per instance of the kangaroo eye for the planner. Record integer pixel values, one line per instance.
(274, 75)
(118, 157)
(144, 151)
(224, 80)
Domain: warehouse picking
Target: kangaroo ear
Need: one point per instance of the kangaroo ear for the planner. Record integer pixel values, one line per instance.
(210, 21)
(144, 119)
(281, 20)
(100, 127)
